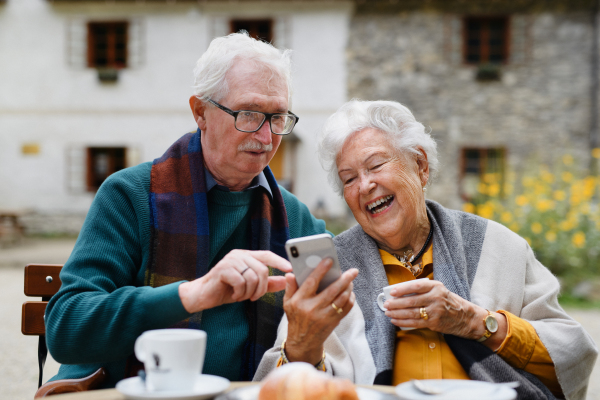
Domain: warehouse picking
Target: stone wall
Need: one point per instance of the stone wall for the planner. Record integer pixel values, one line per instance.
(538, 110)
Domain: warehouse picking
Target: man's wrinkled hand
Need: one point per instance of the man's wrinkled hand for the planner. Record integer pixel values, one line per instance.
(240, 275)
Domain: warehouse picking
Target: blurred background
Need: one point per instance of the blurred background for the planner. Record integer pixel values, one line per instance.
(508, 88)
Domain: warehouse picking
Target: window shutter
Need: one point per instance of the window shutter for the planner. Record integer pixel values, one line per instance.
(76, 169)
(136, 47)
(76, 43)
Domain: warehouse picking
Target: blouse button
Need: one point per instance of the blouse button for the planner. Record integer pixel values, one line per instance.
(432, 345)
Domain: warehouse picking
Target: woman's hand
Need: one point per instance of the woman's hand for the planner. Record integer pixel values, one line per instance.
(311, 316)
(448, 312)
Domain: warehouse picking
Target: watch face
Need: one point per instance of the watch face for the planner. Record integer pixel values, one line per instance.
(491, 323)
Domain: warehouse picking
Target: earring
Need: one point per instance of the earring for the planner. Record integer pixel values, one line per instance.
(424, 189)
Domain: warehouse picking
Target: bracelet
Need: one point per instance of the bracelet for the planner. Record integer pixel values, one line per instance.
(284, 360)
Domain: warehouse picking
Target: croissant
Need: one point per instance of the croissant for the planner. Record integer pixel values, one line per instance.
(301, 381)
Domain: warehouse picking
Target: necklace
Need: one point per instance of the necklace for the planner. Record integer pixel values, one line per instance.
(407, 257)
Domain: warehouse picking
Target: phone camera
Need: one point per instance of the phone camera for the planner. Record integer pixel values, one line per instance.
(294, 252)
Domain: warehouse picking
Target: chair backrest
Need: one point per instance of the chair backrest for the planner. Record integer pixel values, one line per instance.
(41, 280)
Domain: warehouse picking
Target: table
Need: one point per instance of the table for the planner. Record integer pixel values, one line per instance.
(113, 394)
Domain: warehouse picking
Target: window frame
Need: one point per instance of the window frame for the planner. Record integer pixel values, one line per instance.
(483, 165)
(269, 21)
(91, 185)
(485, 44)
(112, 43)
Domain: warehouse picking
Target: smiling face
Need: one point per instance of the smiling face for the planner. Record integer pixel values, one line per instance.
(383, 188)
(234, 158)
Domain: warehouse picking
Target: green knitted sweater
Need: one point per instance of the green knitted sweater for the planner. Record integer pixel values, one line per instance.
(102, 305)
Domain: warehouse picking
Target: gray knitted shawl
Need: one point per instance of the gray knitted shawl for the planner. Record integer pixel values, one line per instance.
(457, 244)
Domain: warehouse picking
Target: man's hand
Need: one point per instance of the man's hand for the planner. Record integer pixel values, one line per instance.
(239, 276)
(311, 316)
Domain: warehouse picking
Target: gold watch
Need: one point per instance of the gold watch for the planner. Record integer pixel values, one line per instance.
(490, 324)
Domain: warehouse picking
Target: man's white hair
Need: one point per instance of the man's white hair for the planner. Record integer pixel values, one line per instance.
(406, 134)
(211, 69)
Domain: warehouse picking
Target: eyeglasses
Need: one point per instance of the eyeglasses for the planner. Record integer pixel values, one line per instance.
(252, 121)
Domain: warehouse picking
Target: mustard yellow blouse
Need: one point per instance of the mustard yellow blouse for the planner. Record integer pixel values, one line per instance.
(424, 354)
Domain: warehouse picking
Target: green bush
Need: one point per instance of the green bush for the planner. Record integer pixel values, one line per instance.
(556, 211)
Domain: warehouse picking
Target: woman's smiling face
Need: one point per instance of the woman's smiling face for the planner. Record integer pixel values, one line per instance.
(383, 188)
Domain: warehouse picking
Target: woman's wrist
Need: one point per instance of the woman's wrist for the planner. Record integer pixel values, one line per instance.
(295, 352)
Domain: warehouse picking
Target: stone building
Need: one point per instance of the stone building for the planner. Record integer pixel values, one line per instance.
(91, 86)
(503, 85)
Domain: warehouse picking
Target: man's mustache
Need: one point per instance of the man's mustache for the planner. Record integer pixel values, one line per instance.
(255, 146)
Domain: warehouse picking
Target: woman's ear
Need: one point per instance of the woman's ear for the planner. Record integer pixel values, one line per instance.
(198, 109)
(423, 167)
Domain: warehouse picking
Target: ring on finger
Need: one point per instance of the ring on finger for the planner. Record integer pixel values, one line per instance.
(423, 313)
(337, 309)
(245, 269)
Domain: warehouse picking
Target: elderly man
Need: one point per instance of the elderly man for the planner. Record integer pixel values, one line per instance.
(194, 239)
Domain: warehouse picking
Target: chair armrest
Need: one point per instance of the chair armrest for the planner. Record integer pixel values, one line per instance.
(90, 382)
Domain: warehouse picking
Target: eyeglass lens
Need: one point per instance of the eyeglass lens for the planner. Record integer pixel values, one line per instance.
(250, 121)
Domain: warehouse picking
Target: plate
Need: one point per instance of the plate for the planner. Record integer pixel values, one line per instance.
(205, 387)
(457, 389)
(251, 393)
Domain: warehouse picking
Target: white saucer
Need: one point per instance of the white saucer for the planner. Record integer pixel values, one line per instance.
(457, 389)
(205, 387)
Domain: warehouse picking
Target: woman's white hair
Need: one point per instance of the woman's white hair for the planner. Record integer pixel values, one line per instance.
(211, 69)
(406, 134)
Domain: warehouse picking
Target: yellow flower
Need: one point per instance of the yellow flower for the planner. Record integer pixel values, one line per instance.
(469, 207)
(539, 189)
(508, 188)
(566, 225)
(567, 177)
(486, 210)
(560, 195)
(514, 227)
(551, 236)
(494, 189)
(506, 217)
(521, 200)
(545, 205)
(585, 209)
(547, 176)
(567, 159)
(482, 188)
(536, 227)
(596, 152)
(490, 177)
(579, 239)
(528, 181)
(589, 184)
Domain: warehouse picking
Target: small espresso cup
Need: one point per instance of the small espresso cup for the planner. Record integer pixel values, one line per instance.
(173, 358)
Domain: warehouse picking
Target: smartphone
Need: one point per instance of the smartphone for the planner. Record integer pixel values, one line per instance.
(305, 253)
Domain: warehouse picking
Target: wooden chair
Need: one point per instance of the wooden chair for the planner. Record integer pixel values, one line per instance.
(43, 280)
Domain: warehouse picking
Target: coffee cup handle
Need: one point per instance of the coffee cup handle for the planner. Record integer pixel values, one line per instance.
(380, 301)
(138, 349)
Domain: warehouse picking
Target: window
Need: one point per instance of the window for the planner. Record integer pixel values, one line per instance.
(485, 40)
(101, 162)
(256, 28)
(482, 165)
(107, 45)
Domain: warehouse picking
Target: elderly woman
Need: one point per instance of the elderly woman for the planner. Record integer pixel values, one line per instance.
(486, 308)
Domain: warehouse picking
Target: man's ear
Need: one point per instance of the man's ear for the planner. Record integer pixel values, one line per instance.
(423, 165)
(198, 109)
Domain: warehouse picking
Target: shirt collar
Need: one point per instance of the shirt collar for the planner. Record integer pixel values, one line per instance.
(260, 180)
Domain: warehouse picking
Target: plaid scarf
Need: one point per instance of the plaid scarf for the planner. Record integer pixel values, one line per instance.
(180, 238)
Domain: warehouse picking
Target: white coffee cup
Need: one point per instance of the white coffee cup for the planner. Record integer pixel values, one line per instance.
(173, 358)
(386, 295)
